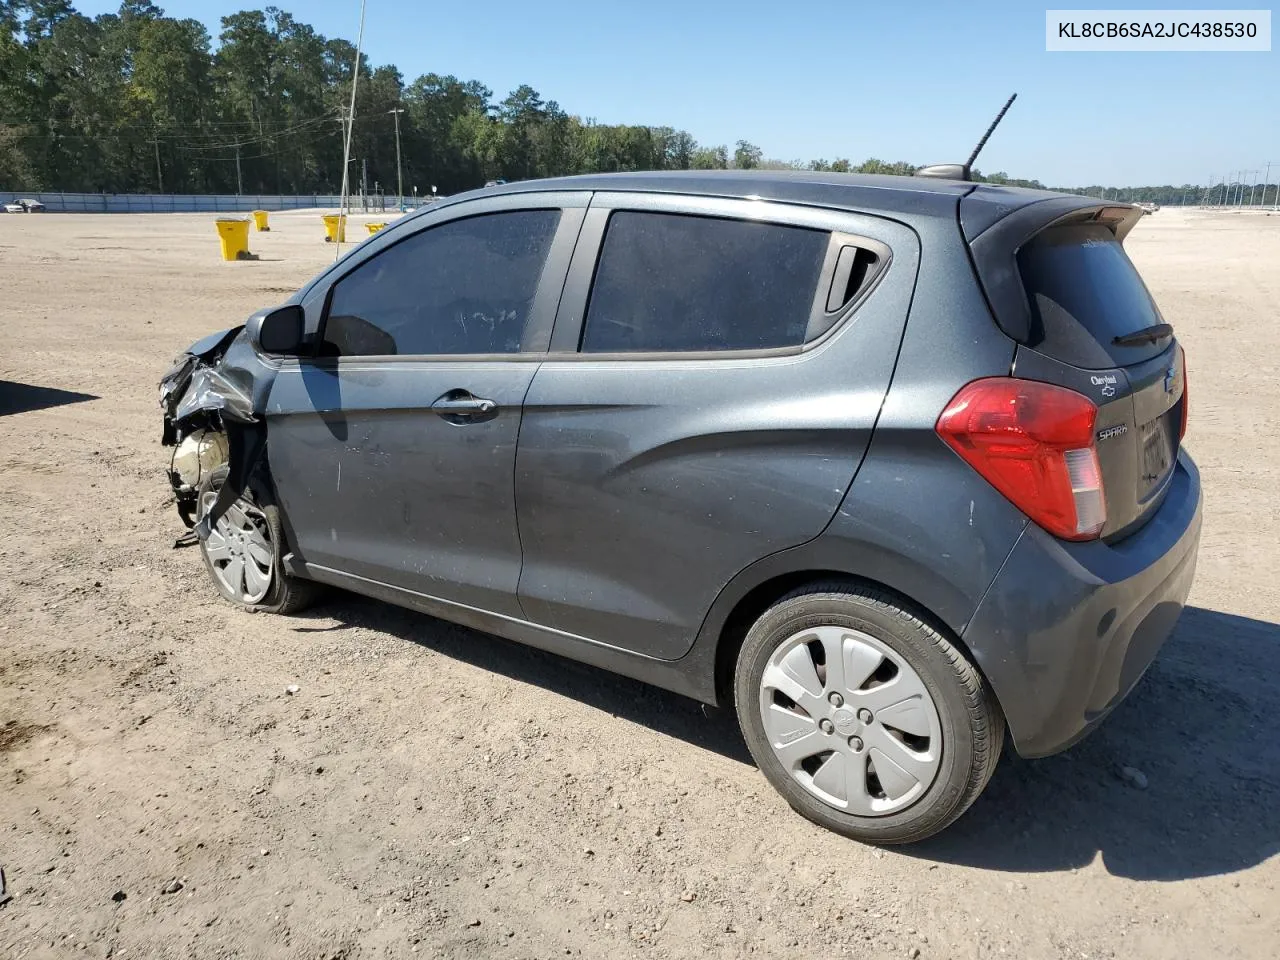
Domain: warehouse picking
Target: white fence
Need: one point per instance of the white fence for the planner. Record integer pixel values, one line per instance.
(195, 203)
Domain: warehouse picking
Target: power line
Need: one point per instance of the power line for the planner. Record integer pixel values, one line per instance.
(152, 127)
(275, 135)
(199, 151)
(171, 138)
(292, 144)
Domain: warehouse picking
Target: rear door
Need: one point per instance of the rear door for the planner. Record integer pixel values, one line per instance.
(393, 450)
(1095, 328)
(716, 371)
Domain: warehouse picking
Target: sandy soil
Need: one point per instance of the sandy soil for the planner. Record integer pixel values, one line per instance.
(436, 792)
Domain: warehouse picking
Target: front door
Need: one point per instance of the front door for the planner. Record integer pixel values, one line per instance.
(393, 449)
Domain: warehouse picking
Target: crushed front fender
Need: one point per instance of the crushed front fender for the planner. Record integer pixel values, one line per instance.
(210, 391)
(219, 384)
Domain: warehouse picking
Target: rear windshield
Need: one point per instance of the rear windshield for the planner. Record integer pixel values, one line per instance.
(1084, 292)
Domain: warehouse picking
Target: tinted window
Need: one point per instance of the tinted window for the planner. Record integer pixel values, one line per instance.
(668, 282)
(463, 287)
(1084, 292)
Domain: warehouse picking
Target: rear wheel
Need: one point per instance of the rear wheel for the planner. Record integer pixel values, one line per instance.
(243, 553)
(864, 716)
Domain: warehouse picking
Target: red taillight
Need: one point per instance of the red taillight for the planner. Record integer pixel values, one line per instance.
(1182, 423)
(1034, 443)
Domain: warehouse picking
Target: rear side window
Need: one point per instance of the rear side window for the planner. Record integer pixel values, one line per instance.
(466, 286)
(1084, 292)
(671, 282)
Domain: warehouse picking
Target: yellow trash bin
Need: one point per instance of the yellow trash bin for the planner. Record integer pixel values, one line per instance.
(375, 227)
(260, 221)
(234, 235)
(335, 228)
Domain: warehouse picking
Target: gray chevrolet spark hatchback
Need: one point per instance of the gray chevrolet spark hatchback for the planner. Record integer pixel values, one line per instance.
(888, 464)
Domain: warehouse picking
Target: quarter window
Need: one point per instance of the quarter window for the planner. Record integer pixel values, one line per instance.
(466, 286)
(672, 282)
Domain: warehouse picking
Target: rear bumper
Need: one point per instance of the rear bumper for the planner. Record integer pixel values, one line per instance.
(1067, 629)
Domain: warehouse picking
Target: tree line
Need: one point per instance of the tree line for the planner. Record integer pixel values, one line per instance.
(137, 102)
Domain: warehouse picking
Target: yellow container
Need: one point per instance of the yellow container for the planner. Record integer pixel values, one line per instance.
(234, 235)
(375, 227)
(260, 221)
(335, 228)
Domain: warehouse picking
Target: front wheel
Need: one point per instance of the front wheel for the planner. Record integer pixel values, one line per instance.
(863, 716)
(243, 553)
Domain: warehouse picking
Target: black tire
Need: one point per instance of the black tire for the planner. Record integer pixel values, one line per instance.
(286, 594)
(971, 722)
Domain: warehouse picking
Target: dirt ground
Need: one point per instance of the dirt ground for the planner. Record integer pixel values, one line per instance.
(431, 791)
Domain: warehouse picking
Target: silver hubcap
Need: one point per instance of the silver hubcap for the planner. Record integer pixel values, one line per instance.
(850, 720)
(239, 550)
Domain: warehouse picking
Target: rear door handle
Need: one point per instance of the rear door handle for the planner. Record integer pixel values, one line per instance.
(461, 406)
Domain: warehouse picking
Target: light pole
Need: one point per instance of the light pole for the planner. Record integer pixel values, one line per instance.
(399, 173)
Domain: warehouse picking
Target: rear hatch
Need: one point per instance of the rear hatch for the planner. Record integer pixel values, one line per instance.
(1091, 325)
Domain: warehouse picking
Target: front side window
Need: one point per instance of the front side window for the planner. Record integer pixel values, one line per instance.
(673, 282)
(466, 286)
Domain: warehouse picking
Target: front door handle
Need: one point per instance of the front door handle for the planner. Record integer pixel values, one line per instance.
(461, 406)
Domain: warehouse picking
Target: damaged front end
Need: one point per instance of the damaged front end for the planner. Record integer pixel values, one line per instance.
(209, 399)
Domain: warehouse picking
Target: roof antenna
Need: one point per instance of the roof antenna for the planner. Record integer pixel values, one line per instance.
(963, 171)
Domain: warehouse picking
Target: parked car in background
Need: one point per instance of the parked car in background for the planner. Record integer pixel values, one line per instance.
(24, 206)
(885, 464)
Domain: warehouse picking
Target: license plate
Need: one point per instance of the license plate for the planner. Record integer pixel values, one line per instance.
(1157, 451)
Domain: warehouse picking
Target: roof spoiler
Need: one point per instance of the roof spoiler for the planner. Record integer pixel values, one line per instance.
(964, 171)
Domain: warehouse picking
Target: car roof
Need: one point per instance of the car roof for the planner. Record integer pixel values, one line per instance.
(905, 195)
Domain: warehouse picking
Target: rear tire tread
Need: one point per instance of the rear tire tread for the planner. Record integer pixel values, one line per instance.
(982, 712)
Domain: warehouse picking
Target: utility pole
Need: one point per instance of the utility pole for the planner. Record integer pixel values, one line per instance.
(399, 170)
(239, 179)
(342, 119)
(159, 177)
(364, 183)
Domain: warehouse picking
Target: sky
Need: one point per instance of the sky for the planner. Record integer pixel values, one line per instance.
(916, 82)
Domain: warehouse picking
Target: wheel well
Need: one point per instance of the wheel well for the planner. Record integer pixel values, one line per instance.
(761, 597)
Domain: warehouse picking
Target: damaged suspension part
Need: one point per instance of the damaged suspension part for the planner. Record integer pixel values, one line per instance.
(245, 445)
